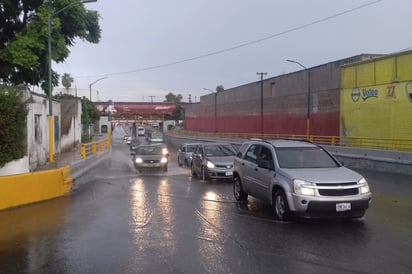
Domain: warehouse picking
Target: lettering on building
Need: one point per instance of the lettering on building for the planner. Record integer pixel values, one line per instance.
(369, 93)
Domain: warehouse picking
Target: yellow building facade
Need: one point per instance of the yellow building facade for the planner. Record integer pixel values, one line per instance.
(376, 98)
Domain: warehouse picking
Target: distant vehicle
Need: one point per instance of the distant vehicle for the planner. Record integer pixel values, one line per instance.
(141, 131)
(213, 161)
(299, 178)
(149, 157)
(184, 154)
(128, 139)
(155, 137)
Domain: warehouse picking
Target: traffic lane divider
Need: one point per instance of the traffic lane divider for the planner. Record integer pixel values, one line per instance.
(27, 188)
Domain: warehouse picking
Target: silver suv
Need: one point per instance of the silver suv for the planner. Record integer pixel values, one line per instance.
(298, 178)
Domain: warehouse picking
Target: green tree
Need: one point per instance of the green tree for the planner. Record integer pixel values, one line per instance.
(176, 99)
(67, 81)
(24, 37)
(173, 98)
(90, 114)
(220, 88)
(13, 113)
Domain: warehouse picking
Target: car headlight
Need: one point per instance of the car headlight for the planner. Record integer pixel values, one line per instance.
(164, 151)
(209, 164)
(163, 160)
(138, 160)
(302, 187)
(364, 187)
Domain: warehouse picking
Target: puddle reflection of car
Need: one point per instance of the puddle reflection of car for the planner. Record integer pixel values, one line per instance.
(184, 154)
(213, 161)
(150, 157)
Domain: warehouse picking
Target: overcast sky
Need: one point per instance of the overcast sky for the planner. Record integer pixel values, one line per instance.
(251, 35)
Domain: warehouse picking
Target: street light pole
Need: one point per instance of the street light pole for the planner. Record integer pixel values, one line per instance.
(51, 125)
(308, 101)
(261, 99)
(90, 87)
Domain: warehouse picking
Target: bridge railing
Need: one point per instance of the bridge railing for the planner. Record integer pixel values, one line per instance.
(92, 148)
(361, 142)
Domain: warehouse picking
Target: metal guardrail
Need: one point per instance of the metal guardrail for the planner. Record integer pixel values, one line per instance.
(92, 148)
(361, 142)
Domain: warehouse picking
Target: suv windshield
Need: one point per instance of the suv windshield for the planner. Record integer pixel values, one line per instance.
(304, 157)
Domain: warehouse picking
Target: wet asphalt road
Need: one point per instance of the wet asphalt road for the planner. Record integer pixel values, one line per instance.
(120, 221)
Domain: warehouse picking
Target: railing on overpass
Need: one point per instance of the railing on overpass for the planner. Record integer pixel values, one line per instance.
(363, 142)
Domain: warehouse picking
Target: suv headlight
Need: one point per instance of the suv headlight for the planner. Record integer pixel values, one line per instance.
(164, 151)
(163, 160)
(138, 160)
(302, 187)
(209, 164)
(364, 187)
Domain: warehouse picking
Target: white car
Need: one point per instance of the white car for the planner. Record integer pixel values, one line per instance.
(141, 131)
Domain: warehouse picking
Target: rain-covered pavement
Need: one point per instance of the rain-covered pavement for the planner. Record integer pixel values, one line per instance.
(120, 221)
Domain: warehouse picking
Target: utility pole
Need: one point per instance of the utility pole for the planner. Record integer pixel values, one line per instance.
(151, 98)
(261, 99)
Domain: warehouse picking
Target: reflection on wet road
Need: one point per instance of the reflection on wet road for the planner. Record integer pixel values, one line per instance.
(122, 221)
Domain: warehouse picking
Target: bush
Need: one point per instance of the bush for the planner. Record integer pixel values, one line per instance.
(13, 116)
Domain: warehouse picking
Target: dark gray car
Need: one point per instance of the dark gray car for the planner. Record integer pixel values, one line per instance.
(149, 157)
(299, 177)
(213, 161)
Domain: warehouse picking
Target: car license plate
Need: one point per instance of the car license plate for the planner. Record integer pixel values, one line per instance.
(229, 173)
(343, 207)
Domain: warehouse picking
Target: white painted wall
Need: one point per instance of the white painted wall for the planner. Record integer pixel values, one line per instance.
(74, 136)
(38, 148)
(38, 134)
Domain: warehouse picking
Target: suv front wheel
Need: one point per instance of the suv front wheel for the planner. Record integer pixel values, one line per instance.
(280, 206)
(238, 192)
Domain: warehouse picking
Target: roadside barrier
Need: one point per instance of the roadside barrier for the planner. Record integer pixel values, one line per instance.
(360, 142)
(27, 188)
(93, 147)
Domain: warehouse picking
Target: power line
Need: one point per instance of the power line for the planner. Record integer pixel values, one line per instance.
(240, 45)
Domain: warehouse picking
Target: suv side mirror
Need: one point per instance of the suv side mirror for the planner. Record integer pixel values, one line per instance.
(239, 154)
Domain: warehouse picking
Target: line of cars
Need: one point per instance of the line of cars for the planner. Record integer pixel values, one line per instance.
(297, 178)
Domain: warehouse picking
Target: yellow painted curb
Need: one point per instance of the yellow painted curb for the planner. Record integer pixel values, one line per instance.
(27, 188)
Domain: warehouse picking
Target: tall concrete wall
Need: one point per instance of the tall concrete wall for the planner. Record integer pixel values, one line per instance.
(285, 104)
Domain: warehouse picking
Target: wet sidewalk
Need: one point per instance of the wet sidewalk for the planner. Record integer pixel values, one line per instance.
(63, 159)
